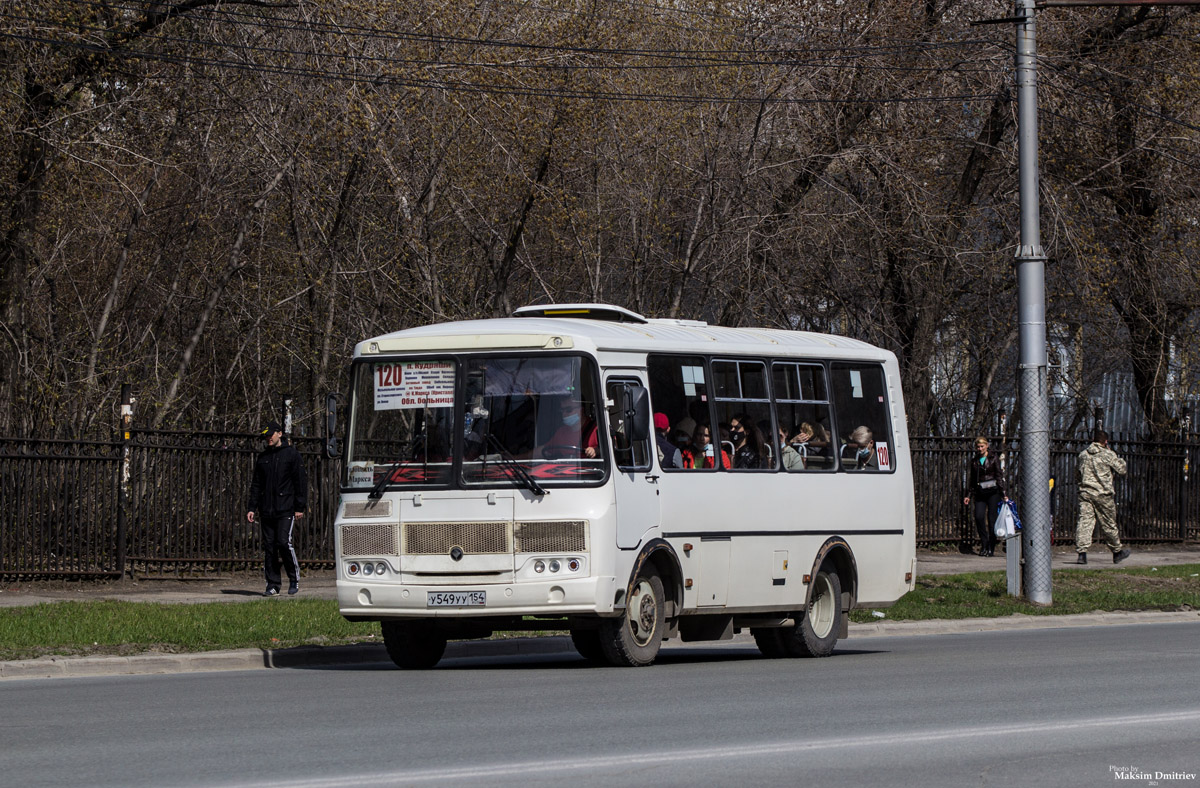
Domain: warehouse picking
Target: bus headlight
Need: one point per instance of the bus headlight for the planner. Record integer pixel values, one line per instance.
(555, 565)
(380, 568)
(352, 569)
(539, 566)
(368, 569)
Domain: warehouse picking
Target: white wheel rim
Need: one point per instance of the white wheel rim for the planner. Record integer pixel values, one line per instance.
(641, 613)
(822, 607)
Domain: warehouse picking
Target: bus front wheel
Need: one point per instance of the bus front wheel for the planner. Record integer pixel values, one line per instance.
(633, 639)
(587, 643)
(770, 641)
(413, 645)
(816, 633)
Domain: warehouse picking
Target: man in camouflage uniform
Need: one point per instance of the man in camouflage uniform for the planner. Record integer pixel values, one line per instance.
(1097, 502)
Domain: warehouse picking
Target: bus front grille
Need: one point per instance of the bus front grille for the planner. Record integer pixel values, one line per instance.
(361, 509)
(369, 539)
(472, 538)
(566, 536)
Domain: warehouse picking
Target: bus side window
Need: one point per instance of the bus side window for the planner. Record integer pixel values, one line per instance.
(679, 396)
(802, 413)
(743, 404)
(863, 417)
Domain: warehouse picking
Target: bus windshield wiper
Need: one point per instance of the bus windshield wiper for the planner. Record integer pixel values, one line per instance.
(514, 467)
(377, 490)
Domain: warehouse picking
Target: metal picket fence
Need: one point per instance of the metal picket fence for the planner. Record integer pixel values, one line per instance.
(67, 508)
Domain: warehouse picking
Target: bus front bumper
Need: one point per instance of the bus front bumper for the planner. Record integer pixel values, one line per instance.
(358, 599)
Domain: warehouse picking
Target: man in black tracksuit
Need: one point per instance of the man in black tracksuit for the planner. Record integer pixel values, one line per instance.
(279, 492)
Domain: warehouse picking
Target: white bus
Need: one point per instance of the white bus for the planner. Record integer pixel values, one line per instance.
(580, 467)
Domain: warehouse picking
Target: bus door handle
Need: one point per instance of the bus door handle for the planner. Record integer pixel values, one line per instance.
(652, 478)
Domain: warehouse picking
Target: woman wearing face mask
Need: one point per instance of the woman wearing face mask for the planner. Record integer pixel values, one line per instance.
(748, 448)
(859, 453)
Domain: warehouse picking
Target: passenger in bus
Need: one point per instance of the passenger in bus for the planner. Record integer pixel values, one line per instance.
(702, 453)
(812, 443)
(748, 443)
(793, 459)
(668, 453)
(680, 438)
(576, 437)
(859, 452)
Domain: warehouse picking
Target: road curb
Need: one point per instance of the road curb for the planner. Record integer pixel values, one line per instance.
(1022, 621)
(374, 653)
(255, 658)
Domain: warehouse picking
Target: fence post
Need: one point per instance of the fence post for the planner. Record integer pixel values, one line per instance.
(1185, 424)
(127, 400)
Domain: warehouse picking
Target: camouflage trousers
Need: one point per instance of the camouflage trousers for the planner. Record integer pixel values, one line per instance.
(1098, 510)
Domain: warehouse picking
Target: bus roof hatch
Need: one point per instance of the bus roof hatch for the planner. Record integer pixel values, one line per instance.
(613, 314)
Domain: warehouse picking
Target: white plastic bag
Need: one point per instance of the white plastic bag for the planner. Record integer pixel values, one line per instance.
(1006, 525)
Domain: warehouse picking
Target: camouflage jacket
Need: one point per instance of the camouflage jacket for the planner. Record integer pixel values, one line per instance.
(1097, 465)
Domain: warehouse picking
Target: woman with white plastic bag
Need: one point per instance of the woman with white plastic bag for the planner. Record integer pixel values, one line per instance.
(986, 488)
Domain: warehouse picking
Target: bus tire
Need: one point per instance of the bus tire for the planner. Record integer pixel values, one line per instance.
(413, 645)
(816, 633)
(770, 642)
(633, 639)
(587, 643)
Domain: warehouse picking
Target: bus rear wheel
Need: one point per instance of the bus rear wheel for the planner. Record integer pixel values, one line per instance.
(816, 633)
(413, 645)
(633, 640)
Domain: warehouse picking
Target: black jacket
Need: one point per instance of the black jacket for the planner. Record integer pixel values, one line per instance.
(280, 486)
(989, 474)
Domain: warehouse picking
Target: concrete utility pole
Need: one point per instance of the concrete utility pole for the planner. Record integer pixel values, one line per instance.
(1031, 310)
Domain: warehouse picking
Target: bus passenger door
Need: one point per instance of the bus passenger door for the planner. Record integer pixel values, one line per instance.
(633, 474)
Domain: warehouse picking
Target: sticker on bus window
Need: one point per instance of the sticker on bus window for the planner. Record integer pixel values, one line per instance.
(362, 475)
(884, 456)
(414, 384)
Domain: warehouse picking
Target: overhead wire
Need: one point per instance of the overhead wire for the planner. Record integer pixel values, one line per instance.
(382, 80)
(271, 22)
(441, 62)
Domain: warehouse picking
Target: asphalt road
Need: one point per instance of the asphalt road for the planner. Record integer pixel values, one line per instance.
(1057, 707)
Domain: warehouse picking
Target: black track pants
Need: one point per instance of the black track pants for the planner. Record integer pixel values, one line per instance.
(278, 549)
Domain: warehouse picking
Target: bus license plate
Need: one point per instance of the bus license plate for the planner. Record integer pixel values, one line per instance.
(456, 599)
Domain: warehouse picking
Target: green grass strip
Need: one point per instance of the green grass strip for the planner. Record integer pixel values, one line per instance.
(114, 627)
(985, 594)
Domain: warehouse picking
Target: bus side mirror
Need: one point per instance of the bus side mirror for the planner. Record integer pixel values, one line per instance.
(331, 442)
(637, 412)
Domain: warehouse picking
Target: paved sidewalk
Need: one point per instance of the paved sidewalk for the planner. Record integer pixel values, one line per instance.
(1062, 557)
(246, 587)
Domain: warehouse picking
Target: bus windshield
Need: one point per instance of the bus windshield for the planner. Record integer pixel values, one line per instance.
(526, 421)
